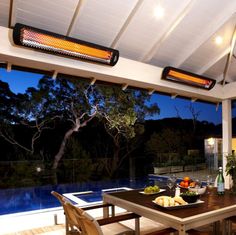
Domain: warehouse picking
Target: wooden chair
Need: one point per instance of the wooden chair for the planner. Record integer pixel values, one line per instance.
(73, 225)
(87, 225)
(62, 200)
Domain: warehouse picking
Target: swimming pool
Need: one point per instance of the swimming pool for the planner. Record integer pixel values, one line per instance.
(37, 198)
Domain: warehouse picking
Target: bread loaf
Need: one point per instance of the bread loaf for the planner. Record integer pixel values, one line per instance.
(180, 200)
(170, 201)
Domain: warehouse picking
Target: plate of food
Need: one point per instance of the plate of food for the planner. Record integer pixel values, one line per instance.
(150, 190)
(172, 203)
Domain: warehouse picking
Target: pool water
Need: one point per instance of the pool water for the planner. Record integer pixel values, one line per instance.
(36, 198)
(94, 196)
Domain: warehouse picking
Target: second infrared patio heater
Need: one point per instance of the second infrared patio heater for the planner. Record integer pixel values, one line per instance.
(187, 78)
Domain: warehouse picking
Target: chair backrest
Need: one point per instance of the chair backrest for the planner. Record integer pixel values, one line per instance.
(82, 220)
(71, 223)
(61, 199)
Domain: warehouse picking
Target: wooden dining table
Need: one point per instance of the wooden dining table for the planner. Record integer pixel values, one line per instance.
(214, 209)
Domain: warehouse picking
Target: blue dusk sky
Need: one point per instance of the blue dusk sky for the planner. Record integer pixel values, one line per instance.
(19, 81)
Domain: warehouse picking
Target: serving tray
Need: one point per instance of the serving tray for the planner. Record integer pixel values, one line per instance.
(194, 204)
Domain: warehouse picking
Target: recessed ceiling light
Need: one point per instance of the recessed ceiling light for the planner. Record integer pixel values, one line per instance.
(218, 40)
(159, 11)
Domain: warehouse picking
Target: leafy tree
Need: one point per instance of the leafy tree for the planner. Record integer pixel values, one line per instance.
(120, 111)
(73, 103)
(39, 109)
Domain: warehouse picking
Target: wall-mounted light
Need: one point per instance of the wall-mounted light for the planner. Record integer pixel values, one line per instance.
(211, 141)
(187, 78)
(58, 44)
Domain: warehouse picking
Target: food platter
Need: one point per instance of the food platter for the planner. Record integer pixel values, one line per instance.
(198, 202)
(161, 190)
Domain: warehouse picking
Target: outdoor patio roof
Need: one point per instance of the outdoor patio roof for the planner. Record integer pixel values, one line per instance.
(183, 38)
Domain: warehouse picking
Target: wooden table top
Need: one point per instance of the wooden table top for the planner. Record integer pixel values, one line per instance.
(212, 202)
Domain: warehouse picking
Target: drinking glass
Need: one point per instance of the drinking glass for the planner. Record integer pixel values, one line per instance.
(171, 181)
(210, 184)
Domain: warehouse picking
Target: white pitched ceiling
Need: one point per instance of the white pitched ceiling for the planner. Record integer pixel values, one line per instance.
(183, 38)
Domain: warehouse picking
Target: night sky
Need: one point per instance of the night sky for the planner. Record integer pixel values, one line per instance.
(20, 81)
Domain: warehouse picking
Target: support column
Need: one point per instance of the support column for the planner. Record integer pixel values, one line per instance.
(227, 135)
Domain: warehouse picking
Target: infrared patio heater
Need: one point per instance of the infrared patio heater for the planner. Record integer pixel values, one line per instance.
(187, 78)
(53, 43)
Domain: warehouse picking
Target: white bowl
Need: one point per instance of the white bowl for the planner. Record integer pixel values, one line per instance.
(198, 190)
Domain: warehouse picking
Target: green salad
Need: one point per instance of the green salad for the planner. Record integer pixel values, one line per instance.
(189, 193)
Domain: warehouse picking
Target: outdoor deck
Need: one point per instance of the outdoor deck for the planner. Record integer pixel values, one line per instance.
(44, 223)
(146, 226)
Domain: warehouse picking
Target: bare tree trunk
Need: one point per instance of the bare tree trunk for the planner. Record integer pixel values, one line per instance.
(75, 128)
(61, 151)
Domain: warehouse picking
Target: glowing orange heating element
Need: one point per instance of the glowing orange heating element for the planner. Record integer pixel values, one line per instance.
(63, 45)
(188, 77)
(58, 44)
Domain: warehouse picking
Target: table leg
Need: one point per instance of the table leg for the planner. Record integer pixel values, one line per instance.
(216, 228)
(106, 211)
(137, 226)
(225, 227)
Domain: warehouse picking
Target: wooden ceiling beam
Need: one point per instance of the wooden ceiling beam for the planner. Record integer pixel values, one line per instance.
(214, 61)
(230, 56)
(126, 23)
(153, 49)
(209, 31)
(75, 17)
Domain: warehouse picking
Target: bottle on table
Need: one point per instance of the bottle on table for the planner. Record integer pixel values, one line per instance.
(220, 182)
(177, 191)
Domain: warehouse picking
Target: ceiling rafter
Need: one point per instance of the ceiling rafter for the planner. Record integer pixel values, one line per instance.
(214, 61)
(9, 67)
(151, 91)
(75, 16)
(206, 34)
(173, 96)
(124, 87)
(54, 75)
(152, 51)
(230, 56)
(93, 80)
(126, 23)
(10, 17)
(12, 14)
(219, 78)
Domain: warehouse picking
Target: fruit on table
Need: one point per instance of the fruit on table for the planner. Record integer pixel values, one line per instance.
(186, 179)
(151, 189)
(185, 182)
(192, 184)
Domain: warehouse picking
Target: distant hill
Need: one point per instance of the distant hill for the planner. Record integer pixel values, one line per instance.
(203, 129)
